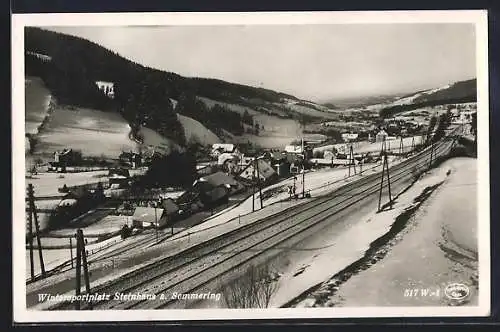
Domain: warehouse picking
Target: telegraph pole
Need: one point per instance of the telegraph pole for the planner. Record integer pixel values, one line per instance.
(71, 251)
(78, 270)
(156, 225)
(432, 152)
(253, 188)
(30, 239)
(303, 170)
(351, 160)
(33, 217)
(385, 172)
(81, 259)
(258, 182)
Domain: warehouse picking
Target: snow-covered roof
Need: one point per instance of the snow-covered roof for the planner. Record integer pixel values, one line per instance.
(218, 179)
(293, 148)
(169, 205)
(147, 214)
(225, 147)
(382, 132)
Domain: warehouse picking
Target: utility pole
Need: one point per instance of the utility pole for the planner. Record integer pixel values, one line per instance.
(30, 239)
(432, 152)
(253, 188)
(33, 218)
(258, 182)
(81, 259)
(294, 185)
(351, 160)
(385, 172)
(78, 270)
(303, 170)
(156, 225)
(71, 250)
(412, 143)
(401, 146)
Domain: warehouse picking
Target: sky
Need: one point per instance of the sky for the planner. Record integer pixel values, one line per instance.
(314, 62)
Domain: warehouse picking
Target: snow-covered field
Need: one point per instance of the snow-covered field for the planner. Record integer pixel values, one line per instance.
(106, 225)
(440, 242)
(195, 130)
(46, 184)
(86, 130)
(277, 132)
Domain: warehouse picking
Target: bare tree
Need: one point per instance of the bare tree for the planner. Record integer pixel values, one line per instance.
(252, 290)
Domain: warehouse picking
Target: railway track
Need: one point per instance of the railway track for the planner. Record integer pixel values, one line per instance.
(195, 267)
(237, 253)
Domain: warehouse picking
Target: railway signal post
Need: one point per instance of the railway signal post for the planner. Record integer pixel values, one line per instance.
(33, 218)
(385, 172)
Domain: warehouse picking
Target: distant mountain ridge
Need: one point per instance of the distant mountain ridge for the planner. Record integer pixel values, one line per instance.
(458, 92)
(465, 89)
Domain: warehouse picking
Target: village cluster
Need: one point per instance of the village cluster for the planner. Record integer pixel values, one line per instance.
(226, 175)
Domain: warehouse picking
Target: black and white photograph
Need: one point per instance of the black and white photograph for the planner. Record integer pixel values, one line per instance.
(178, 166)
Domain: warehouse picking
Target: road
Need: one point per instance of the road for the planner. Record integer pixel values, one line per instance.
(202, 265)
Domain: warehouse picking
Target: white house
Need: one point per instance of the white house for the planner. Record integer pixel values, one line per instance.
(220, 148)
(293, 149)
(349, 136)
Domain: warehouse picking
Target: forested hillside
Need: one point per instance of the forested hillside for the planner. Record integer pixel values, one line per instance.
(142, 94)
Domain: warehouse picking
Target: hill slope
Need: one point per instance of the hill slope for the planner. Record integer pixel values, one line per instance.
(143, 95)
(458, 92)
(196, 131)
